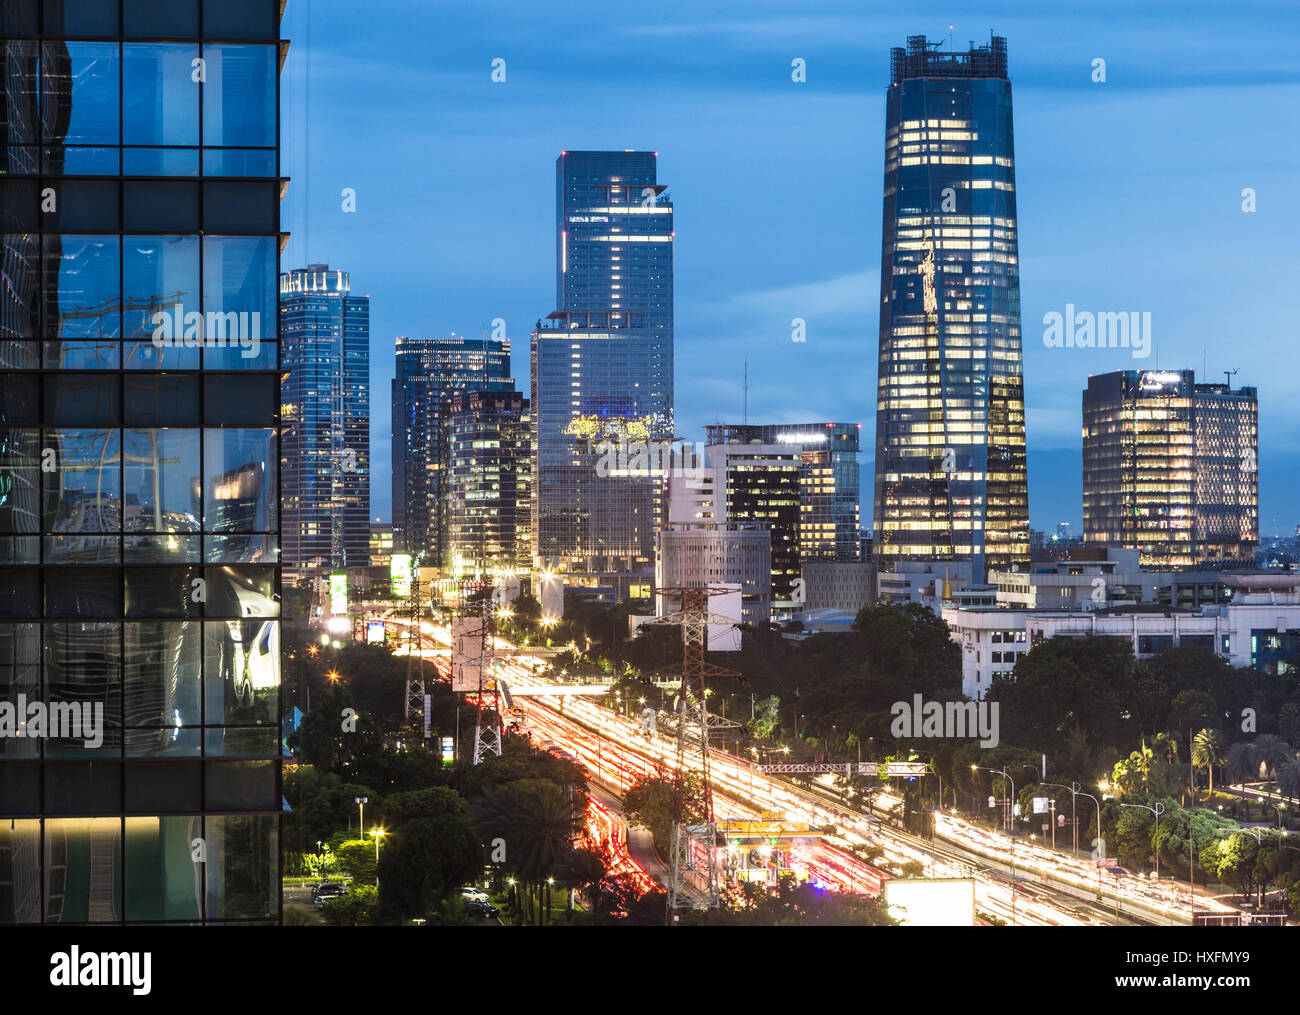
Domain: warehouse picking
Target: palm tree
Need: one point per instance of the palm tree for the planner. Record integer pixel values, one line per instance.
(1288, 778)
(1271, 751)
(1288, 722)
(1242, 763)
(1207, 751)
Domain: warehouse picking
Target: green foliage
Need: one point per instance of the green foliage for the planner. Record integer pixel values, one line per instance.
(359, 908)
(649, 803)
(798, 904)
(422, 803)
(357, 858)
(426, 859)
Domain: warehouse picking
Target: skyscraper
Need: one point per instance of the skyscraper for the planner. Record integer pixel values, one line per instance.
(1170, 468)
(429, 372)
(489, 473)
(602, 369)
(950, 428)
(829, 516)
(325, 453)
(139, 528)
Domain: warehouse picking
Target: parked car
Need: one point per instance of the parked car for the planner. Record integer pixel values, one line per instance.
(469, 893)
(484, 910)
(324, 893)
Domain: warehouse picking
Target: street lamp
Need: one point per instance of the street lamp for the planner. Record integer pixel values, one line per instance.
(1074, 809)
(1157, 810)
(378, 833)
(361, 802)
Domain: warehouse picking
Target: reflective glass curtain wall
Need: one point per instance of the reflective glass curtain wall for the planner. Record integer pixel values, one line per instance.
(325, 514)
(139, 418)
(602, 368)
(951, 480)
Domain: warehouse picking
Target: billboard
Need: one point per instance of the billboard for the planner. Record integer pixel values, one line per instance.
(448, 750)
(466, 653)
(552, 596)
(935, 902)
(339, 593)
(399, 571)
(375, 632)
(725, 637)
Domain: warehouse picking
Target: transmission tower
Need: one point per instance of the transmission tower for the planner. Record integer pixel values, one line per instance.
(476, 600)
(415, 684)
(690, 838)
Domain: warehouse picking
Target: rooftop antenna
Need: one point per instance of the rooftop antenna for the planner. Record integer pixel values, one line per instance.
(745, 417)
(1230, 374)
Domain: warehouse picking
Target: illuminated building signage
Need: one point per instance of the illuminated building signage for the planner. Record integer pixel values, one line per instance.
(399, 570)
(339, 593)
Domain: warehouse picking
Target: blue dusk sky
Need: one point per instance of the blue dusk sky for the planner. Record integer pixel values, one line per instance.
(1130, 191)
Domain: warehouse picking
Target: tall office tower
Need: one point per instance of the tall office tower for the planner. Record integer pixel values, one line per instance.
(489, 468)
(602, 371)
(139, 531)
(429, 372)
(1170, 468)
(950, 421)
(829, 522)
(325, 395)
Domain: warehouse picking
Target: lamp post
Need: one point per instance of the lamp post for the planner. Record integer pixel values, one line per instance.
(1157, 810)
(378, 833)
(361, 818)
(1074, 810)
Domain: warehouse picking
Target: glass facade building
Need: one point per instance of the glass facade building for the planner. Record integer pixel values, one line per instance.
(325, 395)
(429, 372)
(951, 478)
(489, 438)
(829, 510)
(602, 371)
(1170, 468)
(139, 455)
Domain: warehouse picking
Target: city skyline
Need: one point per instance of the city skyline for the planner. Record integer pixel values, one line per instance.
(747, 267)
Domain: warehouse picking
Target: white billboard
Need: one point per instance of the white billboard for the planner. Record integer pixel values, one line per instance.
(552, 596)
(935, 902)
(466, 653)
(725, 637)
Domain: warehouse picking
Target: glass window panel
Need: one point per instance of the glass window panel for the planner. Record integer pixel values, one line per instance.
(79, 93)
(83, 494)
(20, 478)
(243, 871)
(20, 847)
(165, 548)
(159, 273)
(161, 474)
(239, 276)
(83, 873)
(238, 162)
(241, 674)
(162, 592)
(78, 161)
(83, 668)
(20, 550)
(162, 880)
(146, 355)
(241, 19)
(20, 402)
(73, 593)
(240, 480)
(83, 295)
(17, 354)
(161, 399)
(20, 593)
(241, 549)
(20, 673)
(162, 673)
(160, 94)
(239, 96)
(105, 354)
(80, 17)
(160, 162)
(82, 399)
(250, 355)
(240, 785)
(164, 785)
(242, 741)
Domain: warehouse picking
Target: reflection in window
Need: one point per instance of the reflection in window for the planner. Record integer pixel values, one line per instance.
(161, 684)
(82, 875)
(243, 878)
(239, 276)
(239, 480)
(20, 871)
(164, 881)
(241, 676)
(79, 95)
(83, 666)
(83, 497)
(83, 288)
(239, 96)
(159, 273)
(161, 472)
(160, 98)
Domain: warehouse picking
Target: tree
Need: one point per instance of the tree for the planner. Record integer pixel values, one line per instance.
(357, 858)
(1236, 857)
(422, 803)
(649, 802)
(798, 904)
(1242, 764)
(356, 909)
(1288, 777)
(424, 860)
(1288, 722)
(1271, 752)
(1208, 751)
